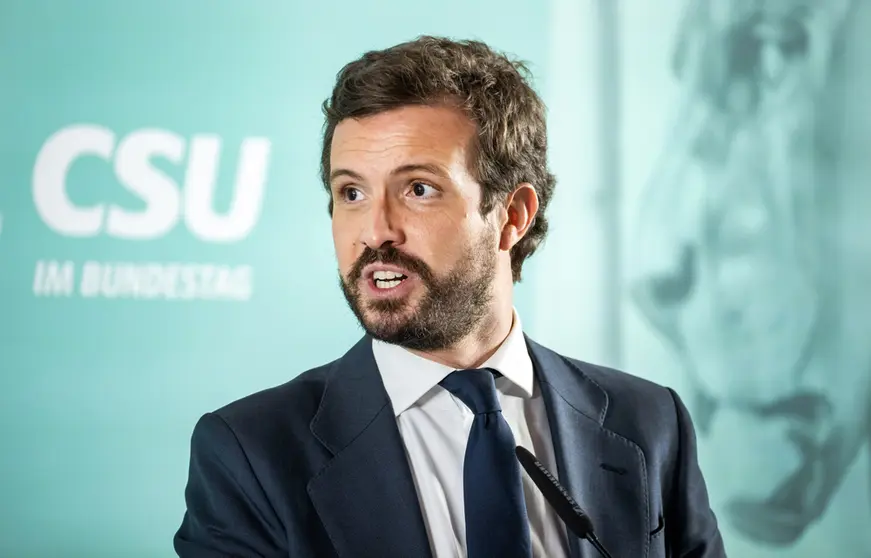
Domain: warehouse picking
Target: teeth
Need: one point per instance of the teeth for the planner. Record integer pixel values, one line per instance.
(386, 284)
(387, 275)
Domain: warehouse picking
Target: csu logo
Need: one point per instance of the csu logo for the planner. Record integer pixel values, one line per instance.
(166, 202)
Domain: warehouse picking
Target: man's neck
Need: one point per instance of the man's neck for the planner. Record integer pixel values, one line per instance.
(478, 346)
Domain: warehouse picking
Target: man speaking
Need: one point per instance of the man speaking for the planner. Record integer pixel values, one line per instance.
(435, 161)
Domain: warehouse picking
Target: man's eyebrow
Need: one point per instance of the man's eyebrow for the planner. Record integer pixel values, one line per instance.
(433, 169)
(345, 172)
(425, 167)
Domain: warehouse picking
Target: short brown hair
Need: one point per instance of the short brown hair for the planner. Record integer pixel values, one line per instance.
(490, 88)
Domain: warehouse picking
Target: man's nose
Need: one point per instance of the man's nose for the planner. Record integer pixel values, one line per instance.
(382, 225)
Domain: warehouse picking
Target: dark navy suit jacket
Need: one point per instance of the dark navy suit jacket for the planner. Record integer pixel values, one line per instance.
(316, 468)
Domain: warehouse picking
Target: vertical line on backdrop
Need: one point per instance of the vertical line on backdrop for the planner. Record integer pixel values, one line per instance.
(609, 126)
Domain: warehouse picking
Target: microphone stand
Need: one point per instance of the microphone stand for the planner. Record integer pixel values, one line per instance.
(594, 541)
(577, 521)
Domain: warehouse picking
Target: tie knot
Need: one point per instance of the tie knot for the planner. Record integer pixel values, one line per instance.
(475, 387)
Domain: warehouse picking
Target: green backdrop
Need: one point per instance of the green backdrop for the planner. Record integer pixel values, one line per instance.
(165, 246)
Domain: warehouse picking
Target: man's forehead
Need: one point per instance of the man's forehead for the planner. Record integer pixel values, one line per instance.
(440, 135)
(716, 20)
(408, 118)
(722, 14)
(719, 40)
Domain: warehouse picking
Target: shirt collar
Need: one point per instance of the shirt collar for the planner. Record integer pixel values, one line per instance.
(407, 377)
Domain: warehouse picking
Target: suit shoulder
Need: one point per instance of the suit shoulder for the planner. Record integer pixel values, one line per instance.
(615, 381)
(298, 397)
(639, 409)
(269, 430)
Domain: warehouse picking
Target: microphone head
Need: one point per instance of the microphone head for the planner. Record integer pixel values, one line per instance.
(565, 506)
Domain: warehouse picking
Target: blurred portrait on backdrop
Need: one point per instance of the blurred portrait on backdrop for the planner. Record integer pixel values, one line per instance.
(755, 268)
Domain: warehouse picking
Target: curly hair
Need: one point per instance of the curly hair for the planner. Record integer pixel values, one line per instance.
(490, 88)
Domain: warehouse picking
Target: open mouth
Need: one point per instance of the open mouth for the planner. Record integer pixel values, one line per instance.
(781, 519)
(385, 280)
(784, 516)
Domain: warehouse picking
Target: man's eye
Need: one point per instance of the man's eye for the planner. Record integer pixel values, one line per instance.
(421, 189)
(350, 194)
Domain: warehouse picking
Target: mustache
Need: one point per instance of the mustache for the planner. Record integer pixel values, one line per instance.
(389, 255)
(807, 407)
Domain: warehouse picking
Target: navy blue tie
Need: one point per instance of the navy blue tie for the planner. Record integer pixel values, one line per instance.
(496, 521)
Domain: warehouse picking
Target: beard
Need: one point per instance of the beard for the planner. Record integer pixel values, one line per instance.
(450, 309)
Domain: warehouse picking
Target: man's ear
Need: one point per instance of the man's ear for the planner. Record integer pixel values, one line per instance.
(521, 208)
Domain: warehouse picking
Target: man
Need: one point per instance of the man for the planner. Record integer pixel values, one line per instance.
(434, 157)
(755, 266)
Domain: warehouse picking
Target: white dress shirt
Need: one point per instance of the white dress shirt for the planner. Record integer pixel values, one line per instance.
(435, 426)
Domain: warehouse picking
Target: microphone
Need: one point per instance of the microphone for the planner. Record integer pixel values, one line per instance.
(565, 506)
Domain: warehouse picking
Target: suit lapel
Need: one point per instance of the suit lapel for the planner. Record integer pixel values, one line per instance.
(604, 472)
(365, 495)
